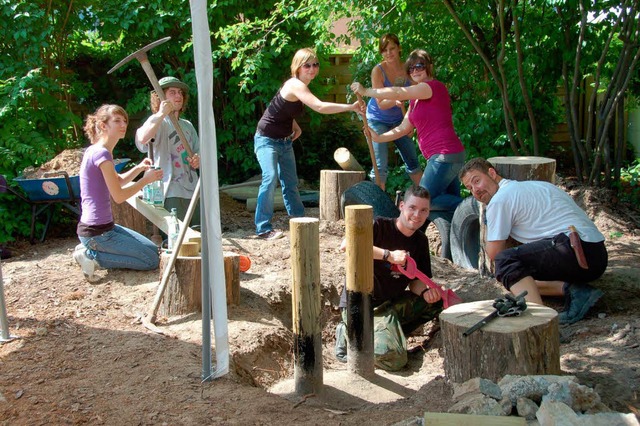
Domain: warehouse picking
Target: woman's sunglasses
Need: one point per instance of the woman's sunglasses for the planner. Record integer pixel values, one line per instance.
(417, 67)
(307, 65)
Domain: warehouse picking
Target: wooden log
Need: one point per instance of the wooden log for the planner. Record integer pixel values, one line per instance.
(333, 183)
(232, 277)
(347, 161)
(451, 419)
(125, 215)
(359, 286)
(525, 168)
(189, 249)
(306, 305)
(183, 293)
(523, 345)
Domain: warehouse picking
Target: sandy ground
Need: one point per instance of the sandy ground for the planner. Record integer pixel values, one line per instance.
(82, 356)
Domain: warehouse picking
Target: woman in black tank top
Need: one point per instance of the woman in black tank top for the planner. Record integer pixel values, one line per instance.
(273, 141)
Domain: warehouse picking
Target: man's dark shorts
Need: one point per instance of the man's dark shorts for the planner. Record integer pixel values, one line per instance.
(551, 259)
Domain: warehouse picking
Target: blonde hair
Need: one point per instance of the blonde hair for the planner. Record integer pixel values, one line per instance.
(422, 56)
(301, 57)
(155, 101)
(102, 115)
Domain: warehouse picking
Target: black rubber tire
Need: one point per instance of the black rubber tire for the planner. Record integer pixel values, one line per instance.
(442, 222)
(465, 234)
(367, 192)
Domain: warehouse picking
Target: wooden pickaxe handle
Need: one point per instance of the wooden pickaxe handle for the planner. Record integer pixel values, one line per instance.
(141, 56)
(367, 135)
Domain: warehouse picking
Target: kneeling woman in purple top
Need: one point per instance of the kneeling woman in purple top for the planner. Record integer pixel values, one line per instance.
(105, 244)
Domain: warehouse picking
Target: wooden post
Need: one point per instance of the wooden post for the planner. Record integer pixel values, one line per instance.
(347, 161)
(333, 183)
(306, 306)
(232, 277)
(514, 168)
(359, 239)
(523, 345)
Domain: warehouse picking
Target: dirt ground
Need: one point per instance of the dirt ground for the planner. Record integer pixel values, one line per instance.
(82, 356)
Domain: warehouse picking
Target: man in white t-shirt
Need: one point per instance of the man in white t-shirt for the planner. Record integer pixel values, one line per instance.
(538, 214)
(180, 176)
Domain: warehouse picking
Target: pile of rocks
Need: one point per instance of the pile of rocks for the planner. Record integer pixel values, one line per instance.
(546, 400)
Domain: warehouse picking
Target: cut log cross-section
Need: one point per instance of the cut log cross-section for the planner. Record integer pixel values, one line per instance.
(528, 344)
(183, 294)
(332, 184)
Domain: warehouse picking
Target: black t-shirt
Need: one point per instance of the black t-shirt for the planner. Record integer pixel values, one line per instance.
(277, 120)
(388, 284)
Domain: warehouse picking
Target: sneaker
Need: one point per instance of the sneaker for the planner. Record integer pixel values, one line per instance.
(79, 247)
(88, 266)
(580, 298)
(274, 234)
(341, 342)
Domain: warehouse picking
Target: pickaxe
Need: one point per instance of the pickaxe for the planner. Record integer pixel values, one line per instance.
(141, 56)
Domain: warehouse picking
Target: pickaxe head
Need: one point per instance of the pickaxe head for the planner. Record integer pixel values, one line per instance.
(140, 55)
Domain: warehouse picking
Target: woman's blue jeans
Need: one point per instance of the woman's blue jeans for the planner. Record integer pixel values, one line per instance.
(441, 179)
(122, 248)
(405, 146)
(277, 161)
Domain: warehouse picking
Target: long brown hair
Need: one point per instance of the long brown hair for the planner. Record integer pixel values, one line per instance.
(102, 115)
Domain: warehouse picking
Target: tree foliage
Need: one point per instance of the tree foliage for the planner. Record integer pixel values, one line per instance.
(503, 62)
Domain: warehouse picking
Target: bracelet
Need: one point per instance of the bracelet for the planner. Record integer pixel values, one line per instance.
(385, 255)
(423, 292)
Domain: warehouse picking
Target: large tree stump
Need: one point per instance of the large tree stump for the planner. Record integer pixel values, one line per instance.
(524, 345)
(183, 294)
(525, 168)
(333, 183)
(514, 168)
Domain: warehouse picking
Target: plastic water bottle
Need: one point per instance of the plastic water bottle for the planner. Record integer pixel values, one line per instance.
(146, 193)
(174, 229)
(157, 194)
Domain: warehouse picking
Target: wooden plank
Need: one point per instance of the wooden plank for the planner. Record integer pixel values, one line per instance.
(450, 419)
(158, 216)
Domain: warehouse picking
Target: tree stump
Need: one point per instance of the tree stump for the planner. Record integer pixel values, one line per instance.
(525, 168)
(125, 215)
(514, 168)
(524, 345)
(333, 183)
(183, 294)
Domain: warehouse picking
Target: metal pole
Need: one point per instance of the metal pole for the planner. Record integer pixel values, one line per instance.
(359, 239)
(306, 305)
(4, 321)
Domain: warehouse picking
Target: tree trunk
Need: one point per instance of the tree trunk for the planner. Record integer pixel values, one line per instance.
(333, 183)
(127, 216)
(523, 345)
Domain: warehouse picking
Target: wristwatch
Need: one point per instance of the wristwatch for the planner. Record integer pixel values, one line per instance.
(385, 255)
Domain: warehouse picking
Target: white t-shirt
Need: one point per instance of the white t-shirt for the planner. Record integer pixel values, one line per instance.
(529, 211)
(179, 179)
